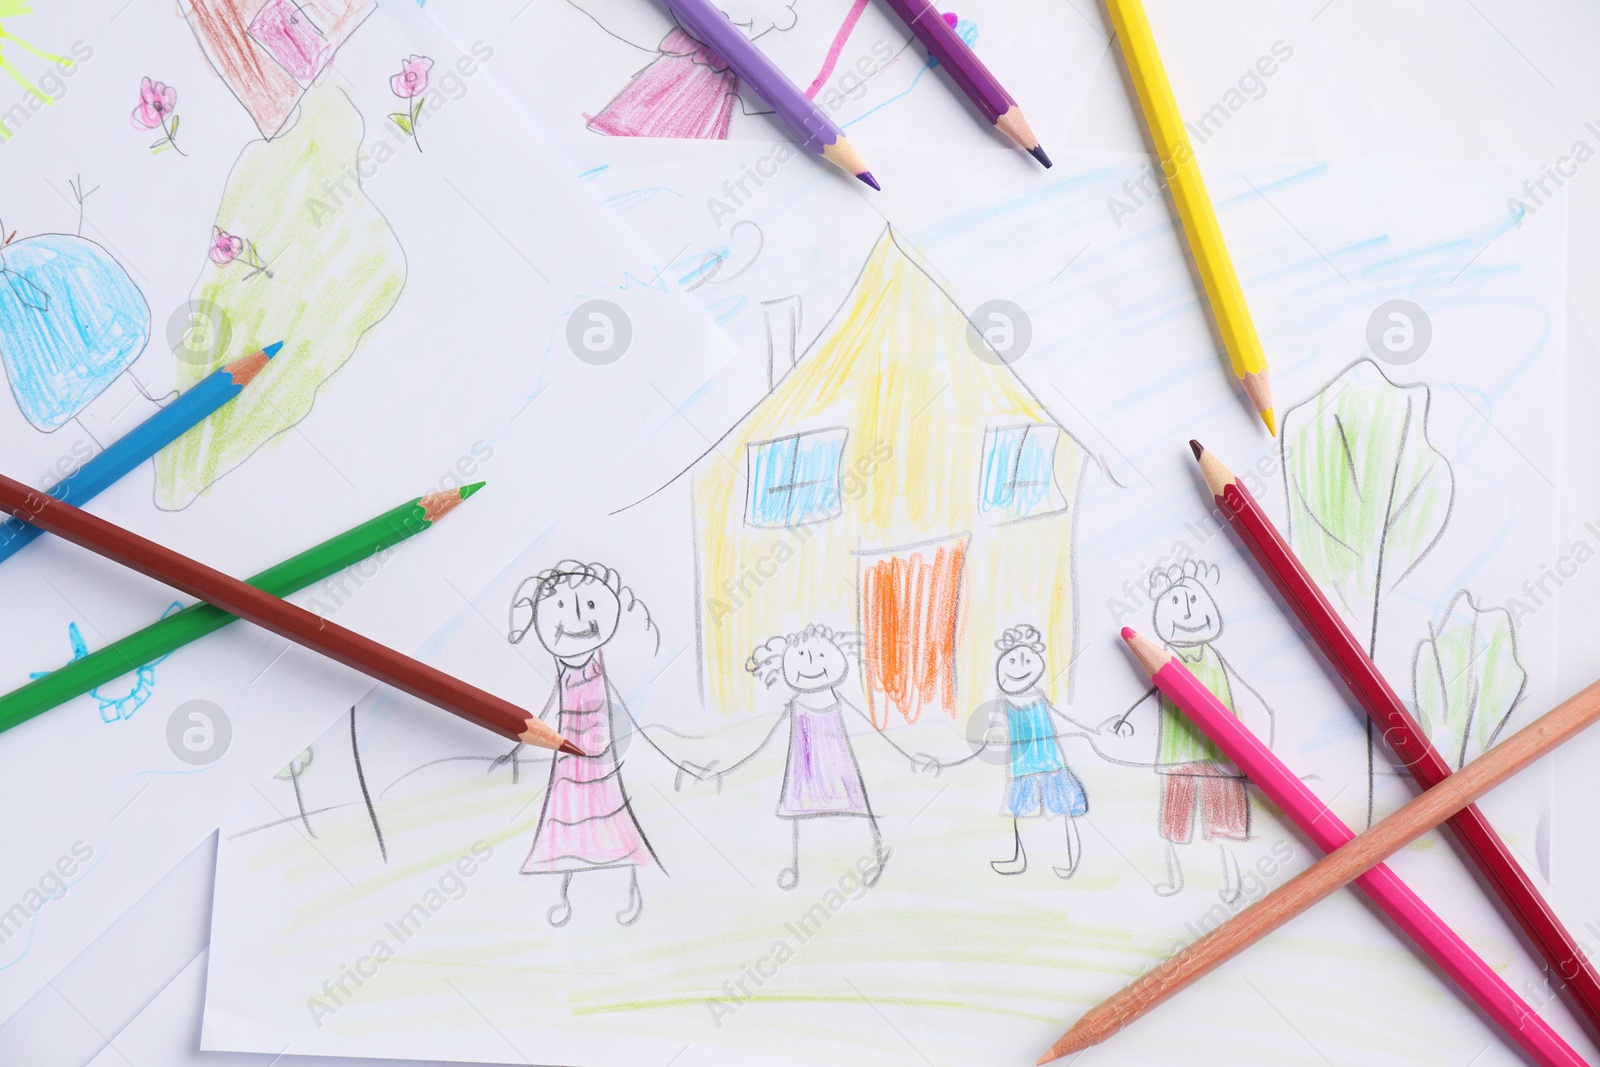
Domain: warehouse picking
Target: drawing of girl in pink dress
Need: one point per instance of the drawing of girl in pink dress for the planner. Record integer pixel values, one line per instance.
(687, 89)
(587, 823)
(821, 778)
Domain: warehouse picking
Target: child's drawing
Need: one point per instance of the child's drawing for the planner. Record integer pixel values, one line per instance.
(292, 773)
(229, 248)
(587, 822)
(337, 270)
(1369, 496)
(71, 321)
(899, 72)
(409, 85)
(12, 9)
(688, 90)
(893, 477)
(1469, 679)
(157, 111)
(270, 53)
(821, 776)
(1196, 779)
(1040, 784)
(117, 706)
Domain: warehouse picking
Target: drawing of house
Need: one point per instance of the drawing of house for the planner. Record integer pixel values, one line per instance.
(898, 479)
(270, 51)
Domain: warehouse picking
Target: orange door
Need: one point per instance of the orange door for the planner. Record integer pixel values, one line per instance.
(909, 603)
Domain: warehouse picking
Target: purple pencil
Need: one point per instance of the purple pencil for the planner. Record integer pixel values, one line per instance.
(968, 72)
(706, 22)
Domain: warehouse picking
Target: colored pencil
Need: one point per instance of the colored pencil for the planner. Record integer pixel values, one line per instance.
(1487, 850)
(197, 620)
(968, 72)
(144, 441)
(1351, 863)
(1330, 834)
(279, 616)
(706, 23)
(1181, 172)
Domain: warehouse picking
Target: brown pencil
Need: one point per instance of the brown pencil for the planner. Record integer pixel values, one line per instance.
(1332, 872)
(279, 616)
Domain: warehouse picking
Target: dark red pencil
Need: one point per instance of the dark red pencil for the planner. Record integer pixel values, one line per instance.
(281, 617)
(1404, 734)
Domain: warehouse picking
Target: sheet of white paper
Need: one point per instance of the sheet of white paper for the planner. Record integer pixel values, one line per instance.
(167, 1034)
(424, 290)
(917, 563)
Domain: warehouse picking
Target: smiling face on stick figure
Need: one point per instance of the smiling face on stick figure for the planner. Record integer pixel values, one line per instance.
(574, 620)
(1186, 615)
(814, 663)
(1018, 670)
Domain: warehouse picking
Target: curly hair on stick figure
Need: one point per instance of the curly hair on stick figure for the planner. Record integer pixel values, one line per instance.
(821, 776)
(1196, 779)
(587, 822)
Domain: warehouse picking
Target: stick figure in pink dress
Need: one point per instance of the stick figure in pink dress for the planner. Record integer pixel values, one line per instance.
(821, 777)
(587, 823)
(688, 90)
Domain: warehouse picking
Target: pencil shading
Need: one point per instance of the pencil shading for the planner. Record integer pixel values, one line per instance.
(71, 322)
(1468, 679)
(1369, 496)
(269, 54)
(337, 271)
(889, 507)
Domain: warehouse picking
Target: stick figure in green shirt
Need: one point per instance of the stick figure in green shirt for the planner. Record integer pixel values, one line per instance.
(1195, 776)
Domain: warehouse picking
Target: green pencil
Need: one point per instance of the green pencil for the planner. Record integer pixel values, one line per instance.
(197, 620)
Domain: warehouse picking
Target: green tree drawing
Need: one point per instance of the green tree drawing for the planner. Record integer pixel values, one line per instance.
(1369, 496)
(1468, 679)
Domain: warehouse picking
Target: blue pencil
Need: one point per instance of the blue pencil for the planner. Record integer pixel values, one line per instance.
(144, 441)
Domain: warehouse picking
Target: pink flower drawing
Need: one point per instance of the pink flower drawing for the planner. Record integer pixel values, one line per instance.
(410, 84)
(158, 110)
(413, 77)
(226, 248)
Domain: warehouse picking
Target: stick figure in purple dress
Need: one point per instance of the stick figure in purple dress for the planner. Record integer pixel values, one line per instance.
(587, 822)
(821, 777)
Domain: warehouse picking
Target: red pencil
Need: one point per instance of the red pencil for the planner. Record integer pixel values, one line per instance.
(1405, 735)
(281, 617)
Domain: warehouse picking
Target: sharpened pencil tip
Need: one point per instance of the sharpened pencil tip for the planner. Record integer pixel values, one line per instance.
(468, 490)
(1129, 633)
(272, 349)
(867, 177)
(1271, 420)
(573, 750)
(1196, 447)
(1048, 1057)
(1038, 152)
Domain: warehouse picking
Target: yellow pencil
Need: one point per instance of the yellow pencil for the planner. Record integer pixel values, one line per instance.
(1182, 175)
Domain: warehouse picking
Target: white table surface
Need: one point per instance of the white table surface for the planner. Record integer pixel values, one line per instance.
(1470, 80)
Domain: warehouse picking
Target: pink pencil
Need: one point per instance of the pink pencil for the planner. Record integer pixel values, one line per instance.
(1318, 822)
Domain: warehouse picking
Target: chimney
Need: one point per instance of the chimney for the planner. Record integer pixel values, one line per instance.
(783, 336)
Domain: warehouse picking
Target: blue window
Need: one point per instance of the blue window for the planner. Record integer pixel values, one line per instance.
(795, 480)
(1018, 477)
